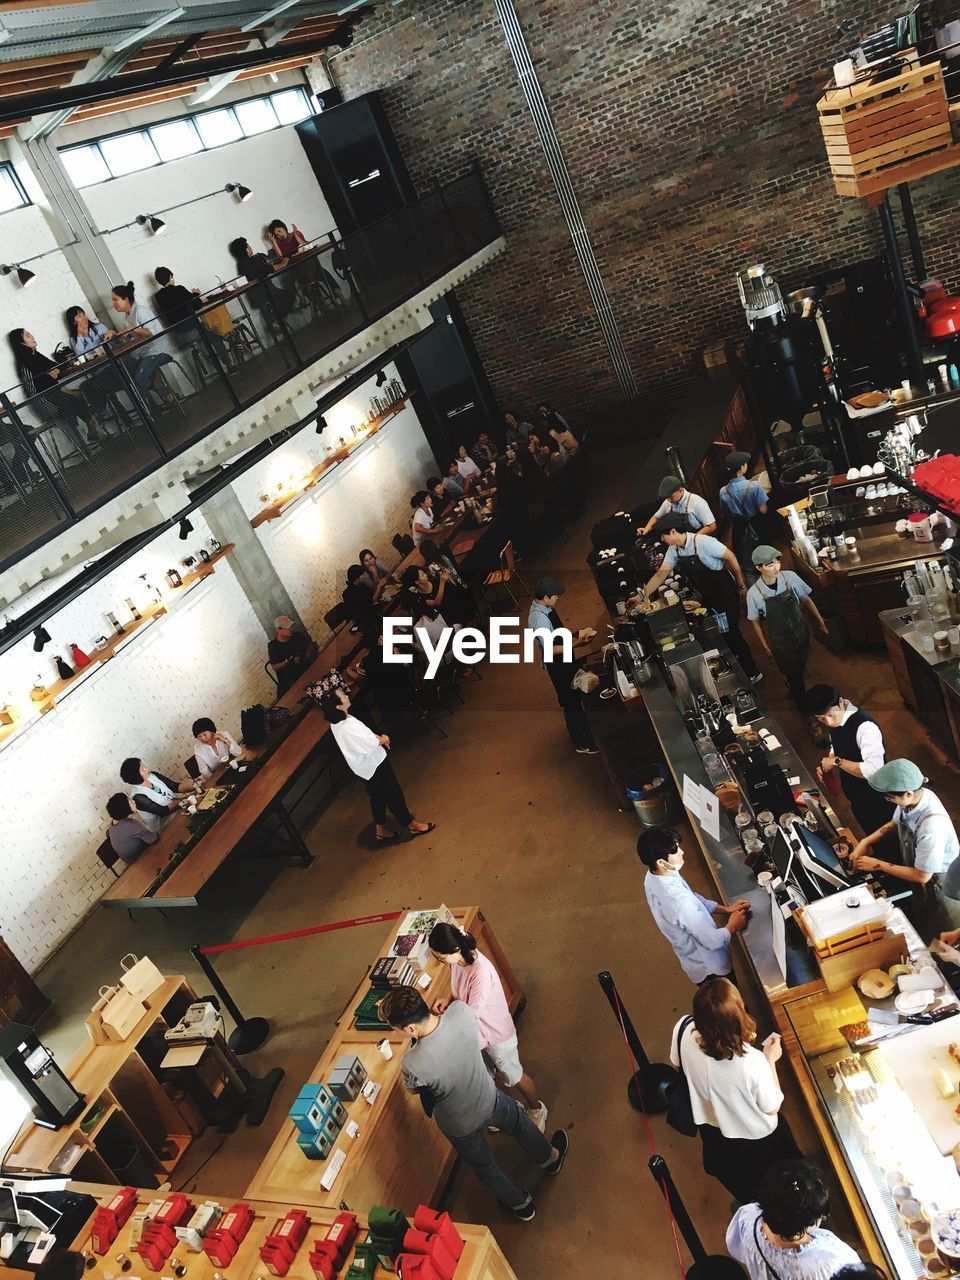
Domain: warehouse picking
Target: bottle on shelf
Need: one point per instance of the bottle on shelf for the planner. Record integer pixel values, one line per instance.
(80, 659)
(64, 670)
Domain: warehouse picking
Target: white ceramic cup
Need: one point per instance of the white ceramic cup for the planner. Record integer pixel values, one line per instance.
(385, 1049)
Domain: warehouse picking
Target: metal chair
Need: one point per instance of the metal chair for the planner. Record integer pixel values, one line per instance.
(108, 856)
(271, 673)
(503, 577)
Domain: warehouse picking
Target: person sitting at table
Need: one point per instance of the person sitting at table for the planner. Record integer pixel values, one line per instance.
(366, 754)
(393, 685)
(288, 653)
(437, 493)
(565, 439)
(141, 324)
(549, 416)
(467, 466)
(678, 501)
(257, 267)
(173, 302)
(359, 602)
(422, 522)
(215, 747)
(441, 570)
(154, 795)
(284, 241)
(40, 376)
(455, 486)
(86, 332)
(483, 449)
(516, 429)
(127, 834)
(375, 574)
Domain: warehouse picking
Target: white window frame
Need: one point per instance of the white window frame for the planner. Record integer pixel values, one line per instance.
(7, 168)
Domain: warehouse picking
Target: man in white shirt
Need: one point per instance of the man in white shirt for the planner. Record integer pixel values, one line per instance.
(215, 747)
(679, 501)
(857, 752)
(366, 754)
(422, 522)
(683, 917)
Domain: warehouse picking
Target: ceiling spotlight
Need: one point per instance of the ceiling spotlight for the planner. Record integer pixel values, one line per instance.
(156, 225)
(239, 190)
(381, 377)
(24, 274)
(40, 637)
(186, 528)
(321, 424)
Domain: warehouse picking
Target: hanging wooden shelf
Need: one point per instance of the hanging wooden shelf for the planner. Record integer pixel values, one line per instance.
(275, 509)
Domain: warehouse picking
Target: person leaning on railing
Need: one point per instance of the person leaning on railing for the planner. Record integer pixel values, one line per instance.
(40, 376)
(257, 267)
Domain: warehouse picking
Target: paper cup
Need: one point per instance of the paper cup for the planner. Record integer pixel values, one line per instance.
(844, 73)
(385, 1049)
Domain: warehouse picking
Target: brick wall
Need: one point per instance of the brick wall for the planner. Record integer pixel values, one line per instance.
(691, 135)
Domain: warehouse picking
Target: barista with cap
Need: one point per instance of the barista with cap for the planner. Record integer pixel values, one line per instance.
(679, 501)
(775, 605)
(715, 575)
(744, 500)
(857, 752)
(928, 844)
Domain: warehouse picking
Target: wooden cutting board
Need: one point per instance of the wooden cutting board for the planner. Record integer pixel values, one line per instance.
(913, 1058)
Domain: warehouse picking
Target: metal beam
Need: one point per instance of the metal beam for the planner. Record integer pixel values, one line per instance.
(136, 37)
(213, 87)
(272, 12)
(176, 53)
(130, 86)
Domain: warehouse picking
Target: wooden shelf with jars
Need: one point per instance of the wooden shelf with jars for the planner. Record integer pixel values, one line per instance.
(311, 479)
(14, 721)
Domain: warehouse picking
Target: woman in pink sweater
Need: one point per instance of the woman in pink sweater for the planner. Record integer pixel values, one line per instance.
(476, 982)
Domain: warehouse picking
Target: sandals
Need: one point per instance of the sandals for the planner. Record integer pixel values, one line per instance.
(387, 839)
(431, 826)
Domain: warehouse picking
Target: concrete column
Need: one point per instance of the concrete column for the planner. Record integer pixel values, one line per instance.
(255, 571)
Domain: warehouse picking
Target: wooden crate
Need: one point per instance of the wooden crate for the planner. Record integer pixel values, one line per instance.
(878, 133)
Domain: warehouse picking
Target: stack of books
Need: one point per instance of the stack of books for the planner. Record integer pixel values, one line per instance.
(393, 971)
(413, 947)
(365, 1015)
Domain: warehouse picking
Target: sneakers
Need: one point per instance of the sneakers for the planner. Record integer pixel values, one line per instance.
(756, 677)
(538, 1116)
(586, 751)
(562, 1144)
(526, 1213)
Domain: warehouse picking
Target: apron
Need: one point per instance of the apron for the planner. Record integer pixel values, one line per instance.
(683, 515)
(715, 587)
(928, 907)
(743, 533)
(787, 633)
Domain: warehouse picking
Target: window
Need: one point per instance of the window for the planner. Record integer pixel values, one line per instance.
(256, 116)
(121, 153)
(291, 105)
(85, 165)
(176, 139)
(128, 152)
(12, 194)
(218, 127)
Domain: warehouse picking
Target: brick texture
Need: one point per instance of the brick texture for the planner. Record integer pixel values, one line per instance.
(691, 135)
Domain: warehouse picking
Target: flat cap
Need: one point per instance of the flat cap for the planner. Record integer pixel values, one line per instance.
(896, 776)
(668, 485)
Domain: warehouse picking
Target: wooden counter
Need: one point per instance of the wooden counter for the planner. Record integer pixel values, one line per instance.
(482, 1258)
(400, 1156)
(138, 1116)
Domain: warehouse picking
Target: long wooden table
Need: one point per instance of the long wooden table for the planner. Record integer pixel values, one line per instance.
(482, 1258)
(143, 884)
(400, 1156)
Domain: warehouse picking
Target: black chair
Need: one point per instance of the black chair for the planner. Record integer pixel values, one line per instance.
(192, 767)
(336, 617)
(108, 856)
(271, 673)
(403, 543)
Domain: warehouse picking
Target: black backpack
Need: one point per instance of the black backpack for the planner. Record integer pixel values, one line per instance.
(253, 725)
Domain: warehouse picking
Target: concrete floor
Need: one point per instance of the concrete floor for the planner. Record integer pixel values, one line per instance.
(529, 831)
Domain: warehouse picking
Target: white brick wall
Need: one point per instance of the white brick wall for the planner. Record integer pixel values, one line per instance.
(56, 777)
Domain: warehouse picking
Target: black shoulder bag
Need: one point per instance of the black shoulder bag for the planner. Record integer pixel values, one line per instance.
(679, 1107)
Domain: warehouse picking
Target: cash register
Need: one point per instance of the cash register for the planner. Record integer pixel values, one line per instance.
(37, 1214)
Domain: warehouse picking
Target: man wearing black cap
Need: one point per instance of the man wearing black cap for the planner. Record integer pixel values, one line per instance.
(744, 500)
(694, 511)
(544, 617)
(716, 577)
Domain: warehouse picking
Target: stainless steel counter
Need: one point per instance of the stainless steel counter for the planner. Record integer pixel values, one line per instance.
(900, 623)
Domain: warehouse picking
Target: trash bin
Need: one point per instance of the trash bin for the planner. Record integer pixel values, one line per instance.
(651, 792)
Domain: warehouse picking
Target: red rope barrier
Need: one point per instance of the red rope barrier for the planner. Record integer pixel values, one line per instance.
(302, 933)
(653, 1149)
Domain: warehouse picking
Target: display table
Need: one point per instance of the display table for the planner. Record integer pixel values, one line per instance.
(400, 1157)
(481, 1259)
(130, 1127)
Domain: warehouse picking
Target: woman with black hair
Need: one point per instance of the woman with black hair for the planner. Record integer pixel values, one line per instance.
(375, 573)
(359, 602)
(141, 324)
(475, 981)
(155, 796)
(781, 1235)
(127, 834)
(447, 585)
(86, 332)
(257, 267)
(41, 377)
(422, 522)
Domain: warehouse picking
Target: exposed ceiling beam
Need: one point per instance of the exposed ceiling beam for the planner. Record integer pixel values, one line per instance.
(177, 52)
(99, 68)
(137, 37)
(128, 86)
(215, 86)
(272, 12)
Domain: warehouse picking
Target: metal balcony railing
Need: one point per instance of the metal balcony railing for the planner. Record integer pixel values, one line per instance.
(117, 415)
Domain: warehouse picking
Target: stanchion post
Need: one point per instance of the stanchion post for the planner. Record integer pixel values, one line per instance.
(249, 1033)
(705, 1266)
(647, 1088)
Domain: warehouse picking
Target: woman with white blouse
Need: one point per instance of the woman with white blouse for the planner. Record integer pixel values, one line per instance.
(422, 522)
(466, 465)
(734, 1091)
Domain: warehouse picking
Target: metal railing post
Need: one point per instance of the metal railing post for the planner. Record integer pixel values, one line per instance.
(140, 404)
(34, 453)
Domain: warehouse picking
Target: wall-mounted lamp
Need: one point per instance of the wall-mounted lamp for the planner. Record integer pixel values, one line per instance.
(321, 423)
(24, 274)
(239, 190)
(156, 225)
(381, 377)
(186, 528)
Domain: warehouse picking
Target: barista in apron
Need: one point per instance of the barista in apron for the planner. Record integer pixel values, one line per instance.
(928, 844)
(155, 796)
(858, 752)
(714, 574)
(743, 501)
(693, 511)
(775, 605)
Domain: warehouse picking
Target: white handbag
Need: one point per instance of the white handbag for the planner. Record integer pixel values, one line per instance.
(140, 977)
